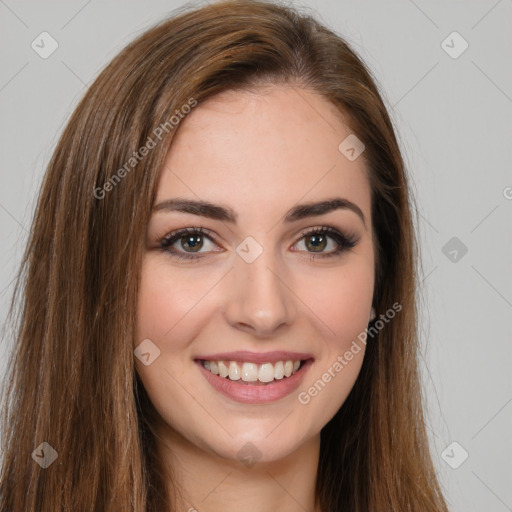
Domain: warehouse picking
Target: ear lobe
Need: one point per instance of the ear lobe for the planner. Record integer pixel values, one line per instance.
(372, 314)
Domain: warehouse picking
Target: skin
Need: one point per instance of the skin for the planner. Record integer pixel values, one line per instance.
(259, 153)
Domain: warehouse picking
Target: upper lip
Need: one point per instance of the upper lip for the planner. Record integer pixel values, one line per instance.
(256, 357)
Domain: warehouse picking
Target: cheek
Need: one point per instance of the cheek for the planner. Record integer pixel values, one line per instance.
(341, 299)
(342, 302)
(165, 299)
(167, 303)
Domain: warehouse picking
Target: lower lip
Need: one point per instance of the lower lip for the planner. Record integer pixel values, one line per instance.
(256, 394)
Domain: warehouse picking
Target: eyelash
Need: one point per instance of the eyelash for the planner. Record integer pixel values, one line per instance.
(344, 241)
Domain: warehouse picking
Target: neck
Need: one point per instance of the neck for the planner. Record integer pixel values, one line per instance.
(203, 481)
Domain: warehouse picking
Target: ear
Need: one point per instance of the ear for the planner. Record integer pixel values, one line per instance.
(372, 314)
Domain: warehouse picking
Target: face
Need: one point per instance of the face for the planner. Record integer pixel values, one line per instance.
(255, 279)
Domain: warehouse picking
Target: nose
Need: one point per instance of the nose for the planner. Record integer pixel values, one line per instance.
(259, 299)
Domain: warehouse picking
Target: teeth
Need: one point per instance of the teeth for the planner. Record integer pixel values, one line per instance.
(249, 372)
(234, 371)
(266, 372)
(279, 370)
(252, 372)
(223, 369)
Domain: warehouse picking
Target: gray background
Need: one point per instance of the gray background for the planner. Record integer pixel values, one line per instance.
(454, 121)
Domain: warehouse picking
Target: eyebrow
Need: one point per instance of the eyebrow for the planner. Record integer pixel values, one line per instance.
(223, 213)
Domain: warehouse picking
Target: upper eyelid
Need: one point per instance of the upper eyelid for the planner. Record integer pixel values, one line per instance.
(178, 233)
(184, 231)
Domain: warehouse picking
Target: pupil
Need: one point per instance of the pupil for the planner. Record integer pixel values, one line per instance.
(192, 240)
(317, 239)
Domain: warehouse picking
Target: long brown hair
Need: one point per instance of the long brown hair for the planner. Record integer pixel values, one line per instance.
(72, 381)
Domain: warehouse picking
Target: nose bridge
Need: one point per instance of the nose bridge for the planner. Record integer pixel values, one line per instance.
(259, 297)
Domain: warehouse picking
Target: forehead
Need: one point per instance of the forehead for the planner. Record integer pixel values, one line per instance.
(273, 146)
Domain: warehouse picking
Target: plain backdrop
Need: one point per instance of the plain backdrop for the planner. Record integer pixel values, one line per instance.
(445, 72)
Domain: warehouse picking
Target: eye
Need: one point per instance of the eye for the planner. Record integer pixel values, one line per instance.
(317, 239)
(188, 243)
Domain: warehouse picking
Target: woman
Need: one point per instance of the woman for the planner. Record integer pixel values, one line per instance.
(218, 294)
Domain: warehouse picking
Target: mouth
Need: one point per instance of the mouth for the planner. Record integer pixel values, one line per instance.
(251, 382)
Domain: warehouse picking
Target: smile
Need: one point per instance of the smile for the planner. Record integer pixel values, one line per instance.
(249, 382)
